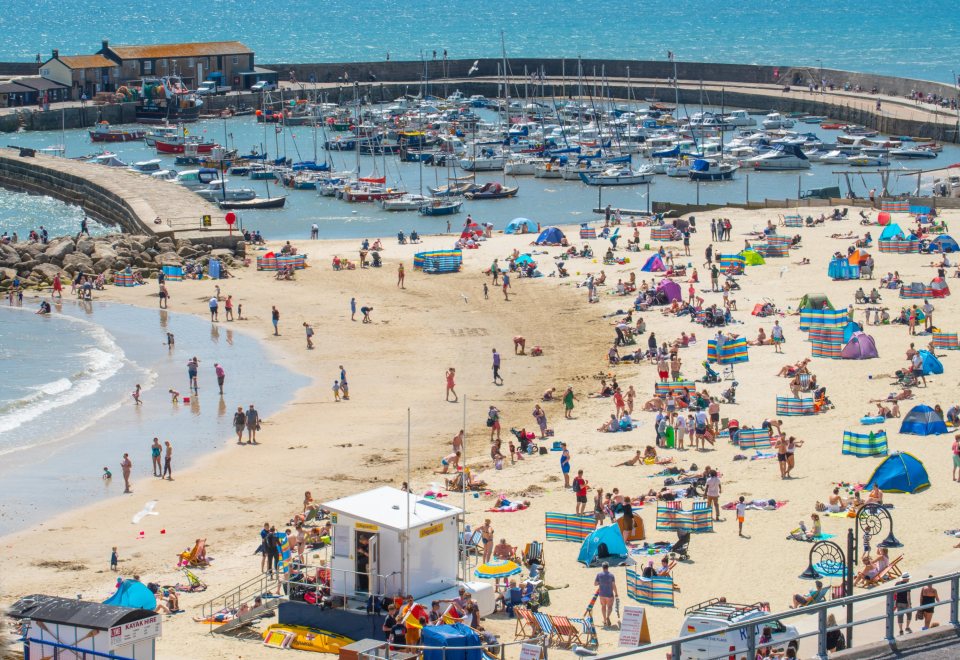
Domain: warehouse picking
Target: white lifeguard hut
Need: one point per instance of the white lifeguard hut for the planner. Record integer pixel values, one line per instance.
(387, 541)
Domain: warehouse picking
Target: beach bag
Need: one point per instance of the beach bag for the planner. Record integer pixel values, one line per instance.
(489, 422)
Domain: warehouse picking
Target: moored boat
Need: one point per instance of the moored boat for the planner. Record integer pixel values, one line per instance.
(492, 190)
(103, 133)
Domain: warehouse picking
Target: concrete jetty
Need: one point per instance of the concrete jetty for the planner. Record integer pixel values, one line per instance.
(119, 197)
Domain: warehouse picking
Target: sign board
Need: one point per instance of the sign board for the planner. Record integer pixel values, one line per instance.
(207, 221)
(530, 652)
(366, 527)
(435, 528)
(633, 627)
(135, 631)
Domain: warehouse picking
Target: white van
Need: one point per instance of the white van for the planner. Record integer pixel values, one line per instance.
(718, 615)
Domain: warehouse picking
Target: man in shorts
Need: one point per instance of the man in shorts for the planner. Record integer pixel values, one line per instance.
(606, 583)
(253, 421)
(221, 375)
(580, 488)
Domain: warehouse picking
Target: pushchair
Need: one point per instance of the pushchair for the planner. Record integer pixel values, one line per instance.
(561, 270)
(377, 262)
(710, 376)
(681, 549)
(527, 446)
(730, 394)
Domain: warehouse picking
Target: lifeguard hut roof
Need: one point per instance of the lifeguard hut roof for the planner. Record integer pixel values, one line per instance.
(387, 507)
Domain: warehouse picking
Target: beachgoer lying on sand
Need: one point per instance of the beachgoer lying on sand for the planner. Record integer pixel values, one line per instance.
(846, 236)
(655, 404)
(803, 262)
(791, 370)
(907, 393)
(637, 458)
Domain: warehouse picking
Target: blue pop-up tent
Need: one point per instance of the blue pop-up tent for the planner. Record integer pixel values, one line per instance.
(944, 242)
(612, 538)
(931, 364)
(922, 420)
(133, 593)
(900, 472)
(550, 235)
(520, 226)
(449, 637)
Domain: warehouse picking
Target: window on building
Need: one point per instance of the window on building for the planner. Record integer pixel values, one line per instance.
(163, 64)
(236, 59)
(192, 62)
(44, 72)
(148, 66)
(116, 72)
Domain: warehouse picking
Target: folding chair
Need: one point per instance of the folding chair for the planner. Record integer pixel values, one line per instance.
(566, 633)
(527, 626)
(546, 627)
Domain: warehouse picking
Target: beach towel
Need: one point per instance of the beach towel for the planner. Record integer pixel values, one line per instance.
(760, 455)
(757, 505)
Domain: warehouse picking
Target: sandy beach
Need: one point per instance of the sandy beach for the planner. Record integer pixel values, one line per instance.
(397, 363)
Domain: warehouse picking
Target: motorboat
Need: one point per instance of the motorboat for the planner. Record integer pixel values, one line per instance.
(813, 119)
(522, 165)
(370, 193)
(865, 160)
(711, 170)
(739, 118)
(196, 179)
(103, 133)
(216, 192)
(483, 163)
(908, 153)
(160, 133)
(775, 120)
(549, 170)
(256, 203)
(492, 190)
(618, 176)
(834, 157)
(180, 146)
(408, 202)
(164, 175)
(779, 157)
(147, 166)
(108, 159)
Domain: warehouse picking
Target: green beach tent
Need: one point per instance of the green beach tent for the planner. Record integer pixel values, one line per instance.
(815, 301)
(752, 258)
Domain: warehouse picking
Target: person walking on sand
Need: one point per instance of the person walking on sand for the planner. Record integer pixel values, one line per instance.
(253, 423)
(136, 395)
(400, 276)
(776, 335)
(486, 292)
(336, 391)
(275, 317)
(353, 309)
(239, 423)
(606, 584)
(493, 421)
(308, 330)
(496, 368)
(741, 513)
(565, 464)
(126, 465)
(956, 457)
(713, 490)
(57, 287)
(193, 366)
(214, 309)
(568, 399)
(164, 296)
(580, 487)
(155, 457)
(541, 418)
(451, 373)
(506, 285)
(344, 388)
(228, 308)
(167, 458)
(221, 375)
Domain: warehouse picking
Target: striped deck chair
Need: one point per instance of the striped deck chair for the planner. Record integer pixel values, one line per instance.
(533, 554)
(546, 627)
(527, 627)
(591, 641)
(700, 517)
(891, 572)
(946, 341)
(818, 597)
(566, 633)
(838, 591)
(470, 542)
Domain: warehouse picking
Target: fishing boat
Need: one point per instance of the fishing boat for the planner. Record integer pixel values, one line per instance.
(442, 207)
(775, 120)
(337, 144)
(160, 132)
(256, 203)
(492, 190)
(408, 202)
(831, 126)
(618, 176)
(166, 100)
(103, 133)
(182, 145)
(779, 157)
(711, 170)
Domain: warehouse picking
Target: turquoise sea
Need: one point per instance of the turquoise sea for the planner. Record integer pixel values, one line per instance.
(912, 39)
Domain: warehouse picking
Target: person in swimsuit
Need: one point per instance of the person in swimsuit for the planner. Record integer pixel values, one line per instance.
(192, 367)
(486, 533)
(928, 596)
(451, 384)
(155, 457)
(781, 447)
(565, 464)
(792, 444)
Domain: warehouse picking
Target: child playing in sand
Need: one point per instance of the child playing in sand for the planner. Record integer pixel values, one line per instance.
(336, 390)
(741, 513)
(174, 396)
(136, 396)
(107, 475)
(113, 557)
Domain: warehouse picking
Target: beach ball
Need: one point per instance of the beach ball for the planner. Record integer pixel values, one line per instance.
(883, 218)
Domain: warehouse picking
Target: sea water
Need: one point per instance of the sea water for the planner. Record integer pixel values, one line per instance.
(910, 39)
(66, 409)
(548, 201)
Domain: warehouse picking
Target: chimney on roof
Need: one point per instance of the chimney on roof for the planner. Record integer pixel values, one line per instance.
(56, 53)
(105, 44)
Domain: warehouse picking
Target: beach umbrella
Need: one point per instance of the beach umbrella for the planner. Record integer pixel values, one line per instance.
(496, 569)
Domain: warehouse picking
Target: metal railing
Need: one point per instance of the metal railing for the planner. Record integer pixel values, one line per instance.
(497, 649)
(749, 631)
(245, 592)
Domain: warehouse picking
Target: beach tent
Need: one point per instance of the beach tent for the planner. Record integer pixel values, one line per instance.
(524, 260)
(842, 269)
(814, 301)
(133, 593)
(900, 472)
(752, 258)
(922, 420)
(860, 347)
(550, 235)
(931, 364)
(892, 231)
(939, 288)
(946, 242)
(654, 265)
(671, 289)
(446, 638)
(520, 226)
(851, 328)
(612, 538)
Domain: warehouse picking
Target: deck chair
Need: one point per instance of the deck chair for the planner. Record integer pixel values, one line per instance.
(527, 626)
(589, 632)
(192, 557)
(546, 627)
(838, 591)
(566, 634)
(511, 600)
(533, 554)
(194, 584)
(818, 597)
(804, 381)
(891, 572)
(455, 484)
(470, 542)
